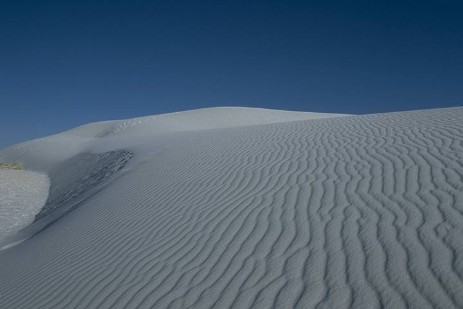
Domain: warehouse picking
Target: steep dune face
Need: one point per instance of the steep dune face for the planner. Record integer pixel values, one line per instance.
(349, 212)
(22, 195)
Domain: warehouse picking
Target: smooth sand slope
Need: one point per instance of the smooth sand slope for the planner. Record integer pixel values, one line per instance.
(212, 211)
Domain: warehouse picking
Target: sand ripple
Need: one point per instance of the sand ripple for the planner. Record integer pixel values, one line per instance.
(352, 212)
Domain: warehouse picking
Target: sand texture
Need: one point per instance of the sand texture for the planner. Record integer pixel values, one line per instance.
(343, 212)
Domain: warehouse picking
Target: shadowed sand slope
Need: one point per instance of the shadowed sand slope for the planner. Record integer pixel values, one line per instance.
(348, 212)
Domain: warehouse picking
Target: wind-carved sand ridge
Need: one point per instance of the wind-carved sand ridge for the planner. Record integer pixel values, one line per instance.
(346, 212)
(23, 193)
(72, 182)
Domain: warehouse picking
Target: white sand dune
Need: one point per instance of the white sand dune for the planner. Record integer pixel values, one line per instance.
(23, 194)
(244, 208)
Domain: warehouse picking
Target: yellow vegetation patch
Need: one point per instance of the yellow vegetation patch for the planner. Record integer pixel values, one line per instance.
(12, 166)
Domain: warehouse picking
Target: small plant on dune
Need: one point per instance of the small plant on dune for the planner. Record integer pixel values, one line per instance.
(13, 166)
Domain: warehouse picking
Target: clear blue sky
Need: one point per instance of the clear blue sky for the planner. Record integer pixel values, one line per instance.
(65, 63)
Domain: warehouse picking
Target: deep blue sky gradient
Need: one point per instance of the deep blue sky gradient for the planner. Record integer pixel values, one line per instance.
(65, 63)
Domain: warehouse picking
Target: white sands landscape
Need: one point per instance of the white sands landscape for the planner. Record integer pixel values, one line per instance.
(243, 208)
